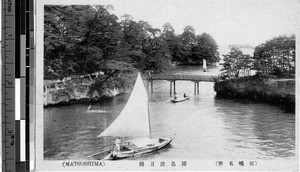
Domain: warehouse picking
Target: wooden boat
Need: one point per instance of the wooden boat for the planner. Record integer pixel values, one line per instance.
(89, 110)
(131, 148)
(97, 111)
(179, 99)
(134, 122)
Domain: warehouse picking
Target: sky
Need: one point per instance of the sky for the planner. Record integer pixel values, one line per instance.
(228, 21)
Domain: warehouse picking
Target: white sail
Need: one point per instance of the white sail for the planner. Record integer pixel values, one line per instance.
(204, 64)
(133, 121)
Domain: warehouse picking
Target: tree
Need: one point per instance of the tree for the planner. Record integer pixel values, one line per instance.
(168, 28)
(189, 48)
(175, 47)
(133, 33)
(276, 55)
(63, 31)
(188, 36)
(205, 48)
(87, 39)
(154, 47)
(180, 46)
(78, 38)
(235, 63)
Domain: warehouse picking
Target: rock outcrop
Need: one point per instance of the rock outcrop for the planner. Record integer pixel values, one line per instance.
(82, 90)
(274, 91)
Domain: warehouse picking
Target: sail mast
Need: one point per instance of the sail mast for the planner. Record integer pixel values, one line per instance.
(149, 114)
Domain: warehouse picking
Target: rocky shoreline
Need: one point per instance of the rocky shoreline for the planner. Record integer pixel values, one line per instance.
(279, 92)
(85, 90)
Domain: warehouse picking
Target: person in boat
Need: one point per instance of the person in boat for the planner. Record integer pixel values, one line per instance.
(117, 147)
(175, 96)
(118, 144)
(184, 95)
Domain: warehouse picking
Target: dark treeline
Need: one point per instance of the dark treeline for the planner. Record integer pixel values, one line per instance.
(87, 39)
(275, 57)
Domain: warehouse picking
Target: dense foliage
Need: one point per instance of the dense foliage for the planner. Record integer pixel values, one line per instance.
(87, 39)
(236, 63)
(275, 57)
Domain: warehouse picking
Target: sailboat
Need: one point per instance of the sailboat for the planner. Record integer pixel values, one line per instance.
(204, 65)
(134, 122)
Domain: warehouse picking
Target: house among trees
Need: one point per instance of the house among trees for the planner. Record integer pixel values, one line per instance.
(245, 48)
(275, 56)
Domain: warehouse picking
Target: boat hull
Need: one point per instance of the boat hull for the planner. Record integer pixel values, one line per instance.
(179, 100)
(138, 151)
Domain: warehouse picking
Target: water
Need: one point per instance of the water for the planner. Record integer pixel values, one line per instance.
(206, 127)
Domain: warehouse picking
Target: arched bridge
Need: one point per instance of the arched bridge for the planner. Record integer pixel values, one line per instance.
(173, 78)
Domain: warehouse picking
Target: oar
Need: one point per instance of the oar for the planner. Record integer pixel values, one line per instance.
(98, 153)
(107, 157)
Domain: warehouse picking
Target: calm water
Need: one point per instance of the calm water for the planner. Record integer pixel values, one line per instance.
(206, 127)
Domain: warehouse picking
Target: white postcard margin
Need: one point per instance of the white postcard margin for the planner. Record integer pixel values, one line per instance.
(94, 165)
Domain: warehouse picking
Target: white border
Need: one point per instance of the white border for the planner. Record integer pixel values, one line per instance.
(42, 165)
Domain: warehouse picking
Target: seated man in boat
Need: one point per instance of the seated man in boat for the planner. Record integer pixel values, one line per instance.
(117, 147)
(175, 96)
(184, 95)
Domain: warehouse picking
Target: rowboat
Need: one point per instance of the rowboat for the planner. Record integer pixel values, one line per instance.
(97, 111)
(179, 99)
(89, 110)
(133, 148)
(134, 123)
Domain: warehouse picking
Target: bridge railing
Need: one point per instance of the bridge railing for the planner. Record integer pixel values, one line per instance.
(210, 78)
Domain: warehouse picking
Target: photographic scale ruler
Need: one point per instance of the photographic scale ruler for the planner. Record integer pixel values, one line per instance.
(17, 52)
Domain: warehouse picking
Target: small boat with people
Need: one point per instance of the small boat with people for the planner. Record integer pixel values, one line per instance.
(133, 123)
(89, 110)
(176, 99)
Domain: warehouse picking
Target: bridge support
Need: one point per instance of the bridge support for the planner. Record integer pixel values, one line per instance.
(151, 86)
(172, 87)
(196, 87)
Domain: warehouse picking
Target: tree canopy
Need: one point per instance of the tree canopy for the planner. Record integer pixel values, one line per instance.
(275, 56)
(86, 39)
(236, 63)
